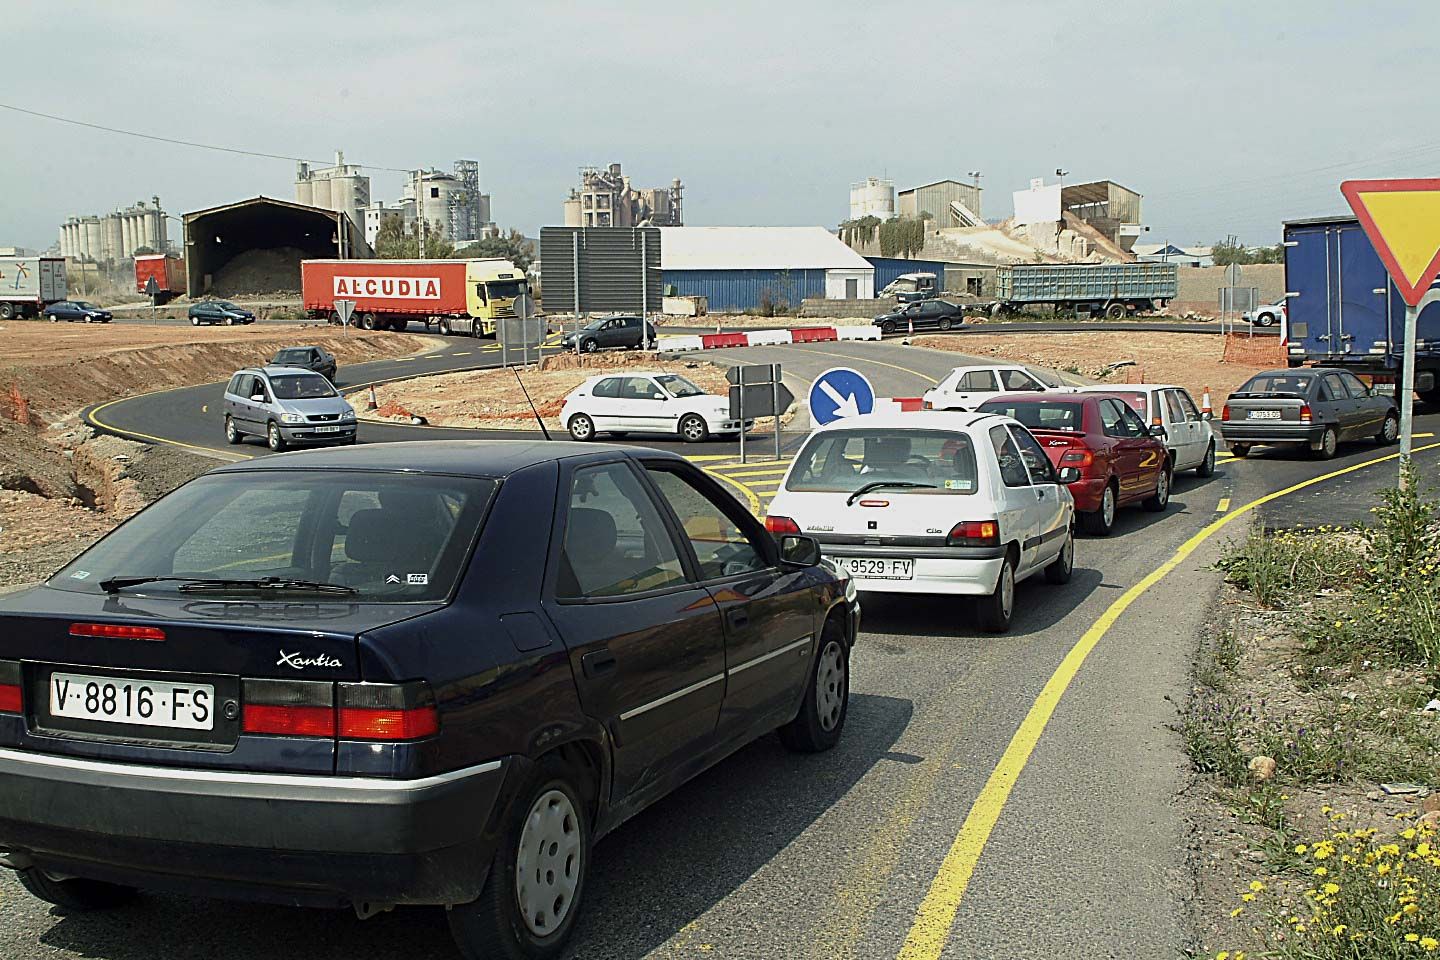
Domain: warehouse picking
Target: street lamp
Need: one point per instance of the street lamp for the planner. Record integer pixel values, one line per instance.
(1061, 174)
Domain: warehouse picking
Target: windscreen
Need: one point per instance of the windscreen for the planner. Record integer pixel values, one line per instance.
(292, 356)
(1277, 383)
(390, 537)
(505, 289)
(307, 387)
(844, 461)
(678, 386)
(1045, 415)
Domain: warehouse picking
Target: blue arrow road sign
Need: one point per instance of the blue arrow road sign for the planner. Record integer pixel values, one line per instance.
(838, 393)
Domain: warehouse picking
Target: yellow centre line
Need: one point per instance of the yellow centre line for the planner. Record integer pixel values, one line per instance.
(936, 915)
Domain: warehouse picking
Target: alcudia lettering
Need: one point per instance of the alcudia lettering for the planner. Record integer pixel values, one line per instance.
(393, 288)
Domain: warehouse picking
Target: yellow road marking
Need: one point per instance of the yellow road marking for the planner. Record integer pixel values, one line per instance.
(462, 353)
(772, 472)
(1223, 505)
(401, 359)
(936, 915)
(204, 408)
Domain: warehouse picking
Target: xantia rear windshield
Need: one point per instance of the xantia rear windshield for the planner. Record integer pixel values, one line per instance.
(389, 537)
(917, 461)
(1041, 415)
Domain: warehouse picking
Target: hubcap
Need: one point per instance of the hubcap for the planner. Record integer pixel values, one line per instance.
(693, 429)
(1162, 487)
(1007, 589)
(1391, 428)
(1210, 458)
(1329, 441)
(830, 685)
(547, 865)
(1067, 553)
(1107, 506)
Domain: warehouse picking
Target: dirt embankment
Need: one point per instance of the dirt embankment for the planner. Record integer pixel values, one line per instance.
(56, 371)
(1194, 361)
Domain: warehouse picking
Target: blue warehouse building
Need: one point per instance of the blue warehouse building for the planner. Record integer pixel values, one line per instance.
(738, 268)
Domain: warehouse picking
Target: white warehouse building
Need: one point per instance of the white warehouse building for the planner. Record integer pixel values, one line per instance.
(737, 268)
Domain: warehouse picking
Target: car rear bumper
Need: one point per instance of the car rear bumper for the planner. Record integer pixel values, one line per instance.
(968, 571)
(331, 841)
(1244, 431)
(1087, 493)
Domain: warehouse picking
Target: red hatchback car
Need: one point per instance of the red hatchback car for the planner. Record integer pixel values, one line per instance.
(1121, 460)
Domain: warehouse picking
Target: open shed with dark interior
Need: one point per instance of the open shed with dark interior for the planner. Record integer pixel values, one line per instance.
(255, 246)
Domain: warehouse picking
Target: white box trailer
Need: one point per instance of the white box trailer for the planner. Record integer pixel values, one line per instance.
(30, 284)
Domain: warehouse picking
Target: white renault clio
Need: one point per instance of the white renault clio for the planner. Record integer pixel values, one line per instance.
(945, 503)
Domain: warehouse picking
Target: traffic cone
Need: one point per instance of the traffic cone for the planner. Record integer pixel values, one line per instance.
(372, 403)
(1205, 402)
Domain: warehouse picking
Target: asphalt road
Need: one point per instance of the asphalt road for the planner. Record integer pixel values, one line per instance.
(831, 856)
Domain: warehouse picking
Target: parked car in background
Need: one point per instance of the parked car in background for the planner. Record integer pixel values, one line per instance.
(219, 311)
(922, 315)
(934, 503)
(910, 287)
(1314, 407)
(286, 406)
(641, 402)
(1267, 315)
(965, 388)
(1121, 460)
(81, 310)
(317, 359)
(1188, 434)
(606, 332)
(408, 674)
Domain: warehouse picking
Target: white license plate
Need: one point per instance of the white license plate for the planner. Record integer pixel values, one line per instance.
(327, 429)
(1262, 415)
(864, 568)
(146, 703)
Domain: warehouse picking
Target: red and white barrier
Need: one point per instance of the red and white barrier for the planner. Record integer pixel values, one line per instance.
(768, 338)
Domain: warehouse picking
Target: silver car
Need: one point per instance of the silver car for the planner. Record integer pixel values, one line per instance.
(288, 406)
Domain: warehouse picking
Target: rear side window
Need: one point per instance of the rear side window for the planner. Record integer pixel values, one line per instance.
(1191, 413)
(1172, 403)
(1039, 465)
(1338, 390)
(1007, 454)
(844, 461)
(615, 543)
(237, 383)
(977, 380)
(607, 389)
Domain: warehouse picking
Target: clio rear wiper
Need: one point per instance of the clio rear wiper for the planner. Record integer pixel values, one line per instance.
(221, 585)
(877, 484)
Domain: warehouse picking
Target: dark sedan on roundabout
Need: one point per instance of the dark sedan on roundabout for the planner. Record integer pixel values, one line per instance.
(409, 673)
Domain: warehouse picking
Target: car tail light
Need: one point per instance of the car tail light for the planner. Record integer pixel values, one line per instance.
(289, 708)
(974, 533)
(10, 689)
(1305, 413)
(927, 405)
(781, 524)
(116, 631)
(1077, 458)
(1225, 412)
(382, 711)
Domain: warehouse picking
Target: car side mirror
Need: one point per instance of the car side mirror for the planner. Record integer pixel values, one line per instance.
(1069, 475)
(257, 397)
(799, 551)
(1158, 430)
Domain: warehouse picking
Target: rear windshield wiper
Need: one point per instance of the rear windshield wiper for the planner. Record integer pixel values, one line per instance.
(222, 585)
(876, 485)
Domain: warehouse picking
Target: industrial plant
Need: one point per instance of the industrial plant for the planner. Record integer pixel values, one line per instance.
(605, 198)
(112, 237)
(451, 204)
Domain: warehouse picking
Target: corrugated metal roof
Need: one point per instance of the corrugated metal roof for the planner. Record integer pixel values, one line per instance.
(755, 248)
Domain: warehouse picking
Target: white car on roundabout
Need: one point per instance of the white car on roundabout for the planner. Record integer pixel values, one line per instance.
(635, 401)
(932, 503)
(965, 388)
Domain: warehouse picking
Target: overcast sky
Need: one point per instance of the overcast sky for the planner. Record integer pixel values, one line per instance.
(1228, 116)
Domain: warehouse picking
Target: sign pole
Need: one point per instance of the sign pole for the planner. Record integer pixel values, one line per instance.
(742, 415)
(1407, 394)
(775, 392)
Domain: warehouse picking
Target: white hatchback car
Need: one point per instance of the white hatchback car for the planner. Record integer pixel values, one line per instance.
(1188, 434)
(946, 503)
(965, 388)
(639, 402)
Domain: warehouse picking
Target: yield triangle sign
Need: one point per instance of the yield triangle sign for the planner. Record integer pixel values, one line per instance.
(1402, 220)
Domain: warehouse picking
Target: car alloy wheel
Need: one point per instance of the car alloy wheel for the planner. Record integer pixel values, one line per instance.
(830, 686)
(1265, 320)
(275, 438)
(231, 434)
(548, 863)
(589, 346)
(944, 323)
(693, 428)
(581, 427)
(1161, 499)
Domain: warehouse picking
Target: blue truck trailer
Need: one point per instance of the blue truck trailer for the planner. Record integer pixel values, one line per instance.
(1345, 312)
(1113, 290)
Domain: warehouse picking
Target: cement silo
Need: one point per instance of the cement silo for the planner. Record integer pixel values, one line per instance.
(872, 197)
(94, 238)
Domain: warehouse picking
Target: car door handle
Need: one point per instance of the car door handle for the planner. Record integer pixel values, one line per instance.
(739, 617)
(598, 664)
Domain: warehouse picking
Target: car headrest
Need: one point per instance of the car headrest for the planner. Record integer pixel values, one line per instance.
(590, 537)
(376, 535)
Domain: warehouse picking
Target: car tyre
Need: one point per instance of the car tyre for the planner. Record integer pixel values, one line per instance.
(77, 894)
(1328, 445)
(274, 437)
(1241, 450)
(944, 323)
(1265, 320)
(232, 435)
(1389, 430)
(887, 328)
(195, 321)
(229, 321)
(549, 833)
(1100, 522)
(1063, 566)
(996, 610)
(581, 427)
(1207, 464)
(1115, 311)
(816, 728)
(1161, 499)
(589, 346)
(693, 429)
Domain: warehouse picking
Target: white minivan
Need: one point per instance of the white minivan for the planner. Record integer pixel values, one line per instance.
(943, 503)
